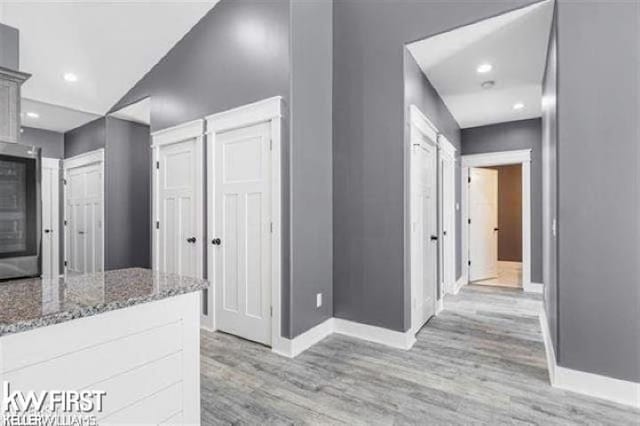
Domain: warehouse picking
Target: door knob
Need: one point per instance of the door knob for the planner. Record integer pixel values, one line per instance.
(216, 241)
(46, 231)
(496, 229)
(434, 238)
(444, 233)
(191, 240)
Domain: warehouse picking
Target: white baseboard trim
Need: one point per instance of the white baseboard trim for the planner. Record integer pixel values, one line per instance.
(291, 348)
(616, 390)
(548, 345)
(533, 287)
(395, 339)
(458, 285)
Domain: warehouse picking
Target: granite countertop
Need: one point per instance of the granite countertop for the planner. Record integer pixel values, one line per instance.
(26, 304)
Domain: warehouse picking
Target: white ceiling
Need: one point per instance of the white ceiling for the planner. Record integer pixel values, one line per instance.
(514, 43)
(109, 45)
(53, 117)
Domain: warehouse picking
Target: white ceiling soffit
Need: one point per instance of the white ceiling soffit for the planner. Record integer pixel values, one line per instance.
(108, 45)
(139, 112)
(514, 43)
(53, 117)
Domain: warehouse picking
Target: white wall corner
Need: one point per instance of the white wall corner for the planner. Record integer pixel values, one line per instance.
(439, 305)
(533, 287)
(615, 390)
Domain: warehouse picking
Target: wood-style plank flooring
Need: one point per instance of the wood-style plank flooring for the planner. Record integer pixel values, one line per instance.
(481, 361)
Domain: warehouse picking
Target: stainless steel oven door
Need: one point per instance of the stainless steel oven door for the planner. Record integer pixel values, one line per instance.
(20, 214)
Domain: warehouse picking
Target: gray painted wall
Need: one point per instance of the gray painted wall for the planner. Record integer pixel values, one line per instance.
(9, 45)
(599, 187)
(311, 163)
(127, 195)
(51, 143)
(368, 148)
(523, 134)
(220, 64)
(550, 187)
(88, 137)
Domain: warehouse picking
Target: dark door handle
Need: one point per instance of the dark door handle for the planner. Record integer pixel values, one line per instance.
(444, 233)
(46, 231)
(216, 241)
(496, 229)
(434, 238)
(191, 240)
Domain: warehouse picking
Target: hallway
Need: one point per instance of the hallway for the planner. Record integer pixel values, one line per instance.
(481, 360)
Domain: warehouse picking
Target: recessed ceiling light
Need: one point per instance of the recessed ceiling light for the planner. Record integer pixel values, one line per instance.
(518, 105)
(33, 115)
(70, 77)
(484, 68)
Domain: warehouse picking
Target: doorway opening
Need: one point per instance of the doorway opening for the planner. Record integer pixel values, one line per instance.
(480, 86)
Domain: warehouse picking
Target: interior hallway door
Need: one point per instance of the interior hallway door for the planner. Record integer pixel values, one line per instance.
(424, 230)
(242, 231)
(84, 219)
(50, 217)
(179, 249)
(483, 229)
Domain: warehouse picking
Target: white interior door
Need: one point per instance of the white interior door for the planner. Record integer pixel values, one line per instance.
(448, 222)
(84, 219)
(483, 235)
(424, 248)
(177, 175)
(50, 217)
(241, 234)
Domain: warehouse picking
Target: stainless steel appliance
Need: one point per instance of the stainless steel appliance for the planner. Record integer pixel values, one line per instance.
(20, 211)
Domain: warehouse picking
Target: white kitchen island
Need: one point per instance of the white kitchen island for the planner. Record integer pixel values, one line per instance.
(131, 336)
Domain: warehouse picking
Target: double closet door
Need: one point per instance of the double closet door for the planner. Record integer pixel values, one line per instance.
(238, 206)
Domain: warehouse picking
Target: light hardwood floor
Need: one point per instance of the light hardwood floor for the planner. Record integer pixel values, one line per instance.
(481, 361)
(509, 275)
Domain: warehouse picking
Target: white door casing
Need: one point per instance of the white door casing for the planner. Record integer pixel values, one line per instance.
(244, 212)
(50, 217)
(483, 227)
(177, 200)
(423, 222)
(242, 229)
(84, 213)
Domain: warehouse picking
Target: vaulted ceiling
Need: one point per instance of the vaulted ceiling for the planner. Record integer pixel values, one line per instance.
(514, 44)
(107, 45)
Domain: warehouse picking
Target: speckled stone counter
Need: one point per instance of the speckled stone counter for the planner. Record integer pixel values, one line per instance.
(28, 304)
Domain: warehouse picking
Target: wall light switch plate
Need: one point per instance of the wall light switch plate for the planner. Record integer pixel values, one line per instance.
(318, 300)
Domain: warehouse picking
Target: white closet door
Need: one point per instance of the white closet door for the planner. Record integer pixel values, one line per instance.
(242, 232)
(178, 245)
(483, 235)
(50, 217)
(84, 210)
(448, 222)
(424, 249)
